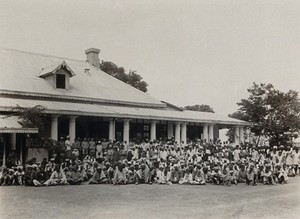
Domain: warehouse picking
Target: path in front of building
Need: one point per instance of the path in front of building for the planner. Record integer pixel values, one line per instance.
(152, 201)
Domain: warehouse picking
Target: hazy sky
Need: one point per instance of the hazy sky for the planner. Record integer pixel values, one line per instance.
(190, 52)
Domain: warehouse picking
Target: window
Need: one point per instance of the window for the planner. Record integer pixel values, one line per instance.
(60, 81)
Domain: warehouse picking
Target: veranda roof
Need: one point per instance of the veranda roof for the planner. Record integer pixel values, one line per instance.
(85, 109)
(11, 125)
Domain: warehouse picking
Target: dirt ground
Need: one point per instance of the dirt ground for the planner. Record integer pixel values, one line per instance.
(152, 201)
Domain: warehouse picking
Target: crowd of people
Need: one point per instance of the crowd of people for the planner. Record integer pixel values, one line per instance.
(94, 161)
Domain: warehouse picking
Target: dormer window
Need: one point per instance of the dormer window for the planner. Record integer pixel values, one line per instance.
(58, 75)
(61, 81)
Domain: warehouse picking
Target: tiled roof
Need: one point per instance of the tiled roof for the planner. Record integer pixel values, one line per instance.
(20, 72)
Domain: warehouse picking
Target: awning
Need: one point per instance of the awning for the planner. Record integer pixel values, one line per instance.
(11, 125)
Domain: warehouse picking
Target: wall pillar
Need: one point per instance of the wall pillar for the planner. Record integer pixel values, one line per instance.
(183, 133)
(13, 141)
(177, 132)
(216, 132)
(205, 132)
(21, 153)
(153, 130)
(72, 128)
(4, 151)
(111, 129)
(211, 133)
(241, 134)
(170, 130)
(54, 127)
(126, 127)
(236, 135)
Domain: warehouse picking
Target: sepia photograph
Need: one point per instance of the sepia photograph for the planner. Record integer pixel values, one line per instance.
(159, 109)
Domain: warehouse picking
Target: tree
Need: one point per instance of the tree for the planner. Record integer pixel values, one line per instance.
(200, 108)
(32, 117)
(136, 81)
(132, 78)
(236, 115)
(272, 113)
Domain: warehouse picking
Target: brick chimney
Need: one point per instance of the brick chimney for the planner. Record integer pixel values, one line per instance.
(92, 56)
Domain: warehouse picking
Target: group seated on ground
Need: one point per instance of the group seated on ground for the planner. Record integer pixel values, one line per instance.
(196, 163)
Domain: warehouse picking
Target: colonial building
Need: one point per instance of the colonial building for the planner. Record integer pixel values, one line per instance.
(81, 101)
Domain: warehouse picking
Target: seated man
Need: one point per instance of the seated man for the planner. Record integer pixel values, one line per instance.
(19, 176)
(120, 175)
(131, 175)
(215, 175)
(175, 175)
(250, 177)
(282, 175)
(35, 176)
(142, 175)
(10, 177)
(242, 174)
(160, 175)
(4, 177)
(74, 177)
(98, 177)
(199, 176)
(268, 176)
(58, 177)
(187, 178)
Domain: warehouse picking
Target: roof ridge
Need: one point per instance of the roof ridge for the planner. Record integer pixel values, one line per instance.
(41, 54)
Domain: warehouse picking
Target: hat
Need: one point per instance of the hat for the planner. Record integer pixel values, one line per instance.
(34, 166)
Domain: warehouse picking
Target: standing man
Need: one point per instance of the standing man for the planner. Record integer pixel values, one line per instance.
(85, 147)
(92, 146)
(68, 147)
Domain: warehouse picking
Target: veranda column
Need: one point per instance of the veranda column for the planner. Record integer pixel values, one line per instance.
(72, 128)
(241, 134)
(153, 130)
(177, 132)
(54, 127)
(21, 153)
(126, 127)
(13, 140)
(237, 135)
(211, 133)
(183, 133)
(111, 129)
(4, 152)
(205, 132)
(170, 130)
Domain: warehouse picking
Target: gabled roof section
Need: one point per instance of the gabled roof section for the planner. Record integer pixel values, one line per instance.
(172, 106)
(51, 70)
